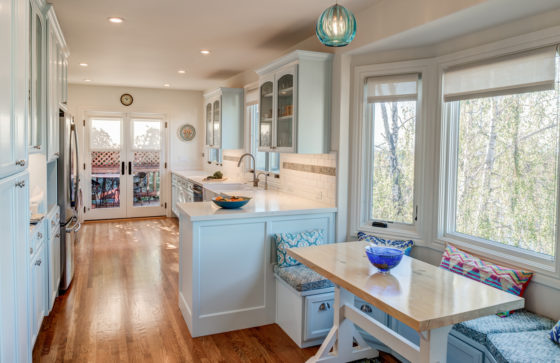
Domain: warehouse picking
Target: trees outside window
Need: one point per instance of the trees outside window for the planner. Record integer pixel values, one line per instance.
(507, 171)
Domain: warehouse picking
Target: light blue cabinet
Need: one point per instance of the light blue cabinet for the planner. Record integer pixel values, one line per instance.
(38, 286)
(14, 224)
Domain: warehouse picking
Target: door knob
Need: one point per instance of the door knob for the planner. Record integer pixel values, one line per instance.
(20, 163)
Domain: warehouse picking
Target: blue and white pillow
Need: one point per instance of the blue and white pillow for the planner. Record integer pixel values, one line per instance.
(406, 246)
(284, 241)
(555, 333)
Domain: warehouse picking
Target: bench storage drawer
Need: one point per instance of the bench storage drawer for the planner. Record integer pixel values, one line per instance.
(319, 313)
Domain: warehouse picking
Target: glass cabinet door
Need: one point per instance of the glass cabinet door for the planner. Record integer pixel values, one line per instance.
(36, 104)
(266, 115)
(209, 125)
(285, 116)
(217, 124)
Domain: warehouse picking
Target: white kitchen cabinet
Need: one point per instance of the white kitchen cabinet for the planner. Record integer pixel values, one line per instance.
(53, 255)
(13, 86)
(224, 118)
(57, 81)
(294, 103)
(37, 80)
(14, 312)
(38, 287)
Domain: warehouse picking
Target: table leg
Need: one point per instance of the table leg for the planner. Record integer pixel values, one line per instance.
(433, 345)
(338, 346)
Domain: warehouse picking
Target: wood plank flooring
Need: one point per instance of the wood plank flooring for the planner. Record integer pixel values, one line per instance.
(122, 306)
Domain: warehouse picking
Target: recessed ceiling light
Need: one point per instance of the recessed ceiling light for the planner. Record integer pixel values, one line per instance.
(181, 71)
(205, 51)
(87, 80)
(116, 20)
(167, 85)
(83, 64)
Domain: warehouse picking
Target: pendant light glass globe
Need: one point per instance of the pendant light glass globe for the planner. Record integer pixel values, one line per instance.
(336, 27)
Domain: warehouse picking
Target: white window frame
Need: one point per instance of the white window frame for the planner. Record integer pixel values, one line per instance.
(360, 161)
(548, 269)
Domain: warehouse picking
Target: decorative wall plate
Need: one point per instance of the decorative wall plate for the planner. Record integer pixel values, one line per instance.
(186, 132)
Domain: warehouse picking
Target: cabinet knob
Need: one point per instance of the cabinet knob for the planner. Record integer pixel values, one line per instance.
(324, 306)
(57, 154)
(20, 163)
(57, 235)
(52, 223)
(30, 250)
(20, 184)
(366, 308)
(38, 262)
(39, 235)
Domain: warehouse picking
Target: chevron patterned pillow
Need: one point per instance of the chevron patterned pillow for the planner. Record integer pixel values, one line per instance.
(510, 280)
(555, 333)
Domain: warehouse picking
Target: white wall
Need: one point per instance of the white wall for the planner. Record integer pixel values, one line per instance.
(179, 107)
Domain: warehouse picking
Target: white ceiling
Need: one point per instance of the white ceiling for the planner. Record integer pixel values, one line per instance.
(158, 38)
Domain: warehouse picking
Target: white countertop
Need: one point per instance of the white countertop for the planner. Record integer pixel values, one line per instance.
(188, 173)
(264, 203)
(198, 176)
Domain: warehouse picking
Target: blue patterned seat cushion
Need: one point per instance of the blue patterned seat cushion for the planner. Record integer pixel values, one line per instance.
(555, 333)
(302, 278)
(285, 241)
(479, 329)
(524, 347)
(401, 245)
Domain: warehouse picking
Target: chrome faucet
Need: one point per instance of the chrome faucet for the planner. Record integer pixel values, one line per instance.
(255, 178)
(265, 179)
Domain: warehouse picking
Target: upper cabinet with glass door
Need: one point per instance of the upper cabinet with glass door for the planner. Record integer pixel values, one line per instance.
(37, 100)
(295, 93)
(57, 82)
(224, 118)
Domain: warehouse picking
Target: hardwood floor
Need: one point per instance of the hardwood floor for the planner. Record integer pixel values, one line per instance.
(122, 306)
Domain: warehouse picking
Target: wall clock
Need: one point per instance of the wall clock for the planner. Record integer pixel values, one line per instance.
(187, 132)
(126, 99)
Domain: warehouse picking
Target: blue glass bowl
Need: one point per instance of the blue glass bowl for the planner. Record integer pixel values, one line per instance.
(231, 205)
(384, 258)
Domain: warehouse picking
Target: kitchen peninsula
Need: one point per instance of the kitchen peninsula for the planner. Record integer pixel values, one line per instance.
(226, 279)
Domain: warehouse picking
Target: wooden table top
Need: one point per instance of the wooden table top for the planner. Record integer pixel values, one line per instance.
(418, 294)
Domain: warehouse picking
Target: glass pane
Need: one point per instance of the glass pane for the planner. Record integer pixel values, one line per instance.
(209, 125)
(216, 130)
(38, 78)
(285, 111)
(507, 169)
(105, 134)
(394, 134)
(146, 179)
(146, 134)
(105, 179)
(265, 124)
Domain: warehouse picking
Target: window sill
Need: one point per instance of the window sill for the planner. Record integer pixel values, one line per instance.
(392, 233)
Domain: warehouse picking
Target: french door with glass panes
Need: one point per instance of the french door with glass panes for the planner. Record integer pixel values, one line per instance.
(124, 166)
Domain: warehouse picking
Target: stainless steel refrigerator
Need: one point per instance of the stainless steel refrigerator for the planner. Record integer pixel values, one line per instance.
(68, 198)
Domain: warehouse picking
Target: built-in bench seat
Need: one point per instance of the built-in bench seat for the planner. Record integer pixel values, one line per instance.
(521, 321)
(302, 278)
(524, 347)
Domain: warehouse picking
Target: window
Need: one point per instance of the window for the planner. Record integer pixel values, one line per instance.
(392, 104)
(503, 168)
(214, 156)
(265, 161)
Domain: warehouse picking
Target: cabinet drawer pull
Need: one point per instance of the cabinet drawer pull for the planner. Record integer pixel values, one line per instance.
(20, 163)
(366, 308)
(324, 306)
(39, 235)
(30, 250)
(20, 184)
(38, 262)
(38, 147)
(57, 235)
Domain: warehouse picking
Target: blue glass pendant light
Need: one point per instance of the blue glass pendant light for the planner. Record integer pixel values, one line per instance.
(336, 27)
